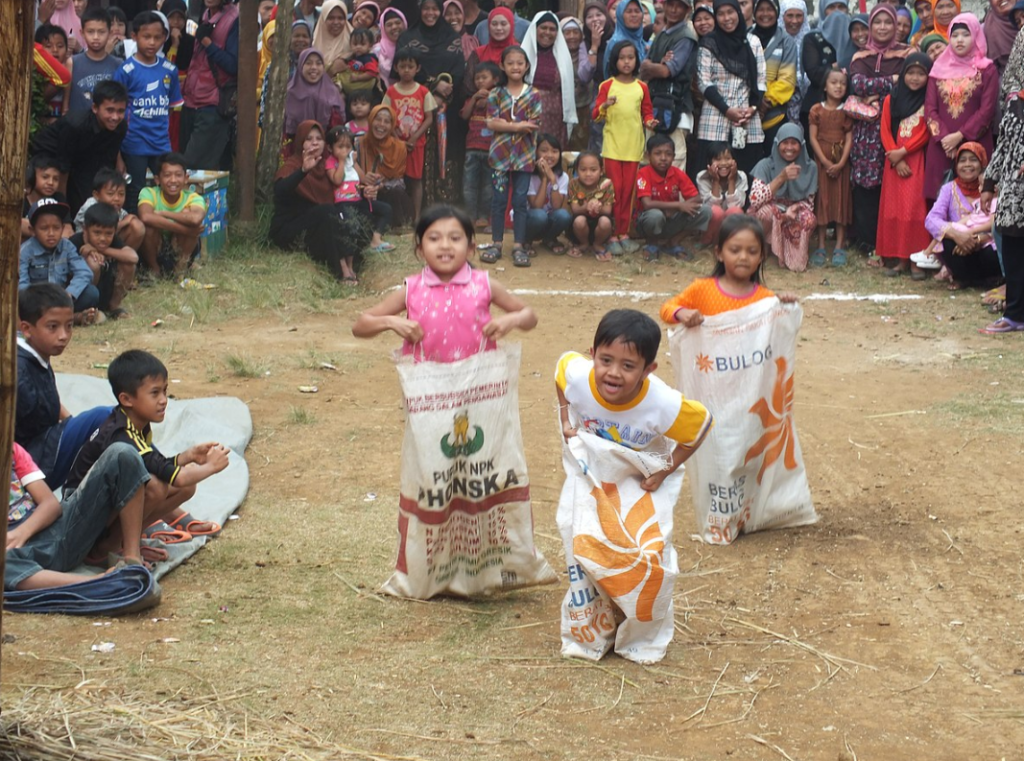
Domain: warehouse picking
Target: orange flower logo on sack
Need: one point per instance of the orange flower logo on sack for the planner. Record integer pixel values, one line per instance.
(777, 419)
(633, 545)
(704, 363)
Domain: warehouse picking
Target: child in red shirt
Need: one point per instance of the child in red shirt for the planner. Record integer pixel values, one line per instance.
(670, 203)
(415, 107)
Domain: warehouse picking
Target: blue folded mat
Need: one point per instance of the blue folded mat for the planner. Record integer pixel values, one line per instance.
(126, 590)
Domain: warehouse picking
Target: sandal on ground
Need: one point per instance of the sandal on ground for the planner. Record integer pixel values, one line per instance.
(556, 248)
(875, 261)
(118, 314)
(163, 532)
(614, 248)
(839, 258)
(995, 296)
(651, 253)
(490, 254)
(918, 276)
(520, 258)
(891, 272)
(602, 254)
(350, 280)
(382, 248)
(954, 286)
(1002, 325)
(942, 274)
(628, 245)
(817, 259)
(996, 308)
(574, 253)
(679, 252)
(187, 521)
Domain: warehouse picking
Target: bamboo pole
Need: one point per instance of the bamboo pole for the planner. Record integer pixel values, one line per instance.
(15, 82)
(245, 149)
(273, 116)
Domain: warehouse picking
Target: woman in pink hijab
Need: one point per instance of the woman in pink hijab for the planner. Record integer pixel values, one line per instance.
(962, 99)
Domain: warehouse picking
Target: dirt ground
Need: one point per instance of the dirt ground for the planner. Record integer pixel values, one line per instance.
(888, 630)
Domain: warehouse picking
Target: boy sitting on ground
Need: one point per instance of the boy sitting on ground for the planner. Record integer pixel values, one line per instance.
(670, 203)
(42, 181)
(49, 258)
(42, 425)
(109, 186)
(173, 215)
(47, 539)
(111, 261)
(139, 382)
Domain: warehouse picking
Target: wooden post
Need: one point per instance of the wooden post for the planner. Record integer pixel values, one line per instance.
(245, 148)
(273, 116)
(15, 83)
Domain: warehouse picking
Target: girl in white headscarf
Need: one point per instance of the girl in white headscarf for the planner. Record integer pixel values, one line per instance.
(551, 74)
(793, 20)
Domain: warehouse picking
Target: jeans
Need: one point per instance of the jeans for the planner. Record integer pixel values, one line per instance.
(136, 167)
(62, 546)
(88, 299)
(546, 225)
(476, 185)
(519, 184)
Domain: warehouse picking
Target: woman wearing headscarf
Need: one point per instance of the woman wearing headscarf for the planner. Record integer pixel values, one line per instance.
(629, 27)
(1000, 32)
(834, 24)
(732, 79)
(331, 37)
(551, 75)
(1012, 80)
(859, 35)
(962, 100)
(1003, 172)
(499, 26)
(961, 228)
(873, 73)
(904, 133)
(795, 26)
(311, 95)
(304, 202)
(442, 63)
(456, 16)
(780, 69)
(943, 13)
(381, 157)
(302, 39)
(598, 29)
(817, 57)
(782, 197)
(933, 44)
(572, 31)
(263, 75)
(392, 25)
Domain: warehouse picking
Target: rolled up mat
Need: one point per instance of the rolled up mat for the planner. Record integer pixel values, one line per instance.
(126, 590)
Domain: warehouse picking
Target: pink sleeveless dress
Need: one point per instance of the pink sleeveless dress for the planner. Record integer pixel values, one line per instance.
(452, 314)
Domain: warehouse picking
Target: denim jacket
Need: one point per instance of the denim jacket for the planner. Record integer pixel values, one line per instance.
(61, 266)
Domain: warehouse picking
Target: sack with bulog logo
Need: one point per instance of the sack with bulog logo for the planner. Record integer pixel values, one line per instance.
(618, 546)
(749, 473)
(465, 524)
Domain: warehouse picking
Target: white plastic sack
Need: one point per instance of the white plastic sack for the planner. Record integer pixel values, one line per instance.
(749, 473)
(618, 547)
(465, 525)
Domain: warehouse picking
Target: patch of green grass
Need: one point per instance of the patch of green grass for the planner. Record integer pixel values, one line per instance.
(245, 366)
(999, 413)
(301, 416)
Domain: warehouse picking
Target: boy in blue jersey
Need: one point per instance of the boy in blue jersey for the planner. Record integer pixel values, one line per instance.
(153, 90)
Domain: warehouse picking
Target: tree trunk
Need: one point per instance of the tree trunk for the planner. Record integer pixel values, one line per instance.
(248, 65)
(15, 84)
(273, 116)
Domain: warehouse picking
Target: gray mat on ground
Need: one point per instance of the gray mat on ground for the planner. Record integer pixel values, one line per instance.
(223, 419)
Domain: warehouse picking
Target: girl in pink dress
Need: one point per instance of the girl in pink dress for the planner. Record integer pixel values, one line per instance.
(447, 304)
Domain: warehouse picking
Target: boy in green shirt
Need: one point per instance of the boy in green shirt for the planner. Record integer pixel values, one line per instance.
(170, 212)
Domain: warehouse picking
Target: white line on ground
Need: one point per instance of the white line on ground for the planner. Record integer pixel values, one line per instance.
(875, 297)
(642, 295)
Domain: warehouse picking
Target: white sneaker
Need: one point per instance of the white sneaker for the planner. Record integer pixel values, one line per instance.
(926, 261)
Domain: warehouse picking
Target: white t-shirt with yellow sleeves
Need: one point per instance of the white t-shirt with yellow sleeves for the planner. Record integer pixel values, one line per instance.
(658, 410)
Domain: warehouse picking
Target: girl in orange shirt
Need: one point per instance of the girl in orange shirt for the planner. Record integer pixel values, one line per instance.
(735, 281)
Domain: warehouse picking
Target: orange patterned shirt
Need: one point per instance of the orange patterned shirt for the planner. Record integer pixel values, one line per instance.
(707, 297)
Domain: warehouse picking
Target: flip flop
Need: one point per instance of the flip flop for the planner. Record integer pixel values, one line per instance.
(994, 296)
(574, 253)
(651, 253)
(839, 258)
(875, 261)
(557, 248)
(818, 258)
(382, 248)
(602, 255)
(491, 254)
(186, 521)
(1002, 325)
(679, 252)
(163, 532)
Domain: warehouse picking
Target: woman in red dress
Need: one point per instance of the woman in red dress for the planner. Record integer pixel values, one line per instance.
(905, 136)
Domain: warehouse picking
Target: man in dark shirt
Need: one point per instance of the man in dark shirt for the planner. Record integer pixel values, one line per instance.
(84, 142)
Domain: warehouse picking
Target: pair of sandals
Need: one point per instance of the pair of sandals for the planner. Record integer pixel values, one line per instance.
(184, 528)
(819, 258)
(520, 256)
(653, 252)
